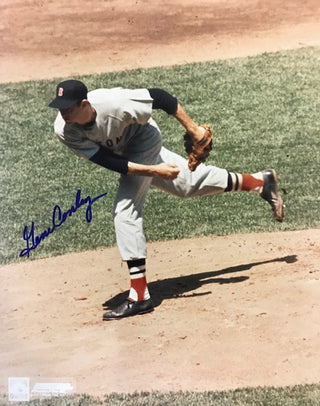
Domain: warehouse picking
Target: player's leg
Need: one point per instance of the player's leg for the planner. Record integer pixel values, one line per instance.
(205, 180)
(128, 221)
(210, 180)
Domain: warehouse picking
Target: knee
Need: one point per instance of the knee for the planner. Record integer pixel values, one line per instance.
(126, 216)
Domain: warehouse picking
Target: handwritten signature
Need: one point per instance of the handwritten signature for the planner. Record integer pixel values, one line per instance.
(58, 218)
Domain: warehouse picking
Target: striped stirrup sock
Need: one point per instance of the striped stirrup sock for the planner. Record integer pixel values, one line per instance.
(138, 282)
(244, 181)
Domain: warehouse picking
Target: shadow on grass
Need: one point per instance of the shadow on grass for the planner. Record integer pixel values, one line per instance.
(182, 286)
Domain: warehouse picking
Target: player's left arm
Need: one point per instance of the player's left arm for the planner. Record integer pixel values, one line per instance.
(168, 103)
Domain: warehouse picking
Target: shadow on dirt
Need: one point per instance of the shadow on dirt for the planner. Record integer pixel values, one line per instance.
(172, 288)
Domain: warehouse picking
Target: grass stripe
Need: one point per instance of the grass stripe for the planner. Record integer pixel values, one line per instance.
(265, 113)
(299, 395)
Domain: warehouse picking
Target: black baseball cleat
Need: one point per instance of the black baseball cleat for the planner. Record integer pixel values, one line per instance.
(129, 308)
(270, 193)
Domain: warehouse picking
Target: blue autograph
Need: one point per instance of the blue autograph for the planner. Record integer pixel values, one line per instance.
(58, 218)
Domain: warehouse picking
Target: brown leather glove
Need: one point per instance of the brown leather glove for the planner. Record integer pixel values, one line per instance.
(200, 151)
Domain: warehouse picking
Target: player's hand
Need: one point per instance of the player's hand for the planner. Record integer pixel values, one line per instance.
(166, 171)
(197, 133)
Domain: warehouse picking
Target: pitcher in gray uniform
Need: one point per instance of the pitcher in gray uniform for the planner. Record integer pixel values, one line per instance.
(114, 128)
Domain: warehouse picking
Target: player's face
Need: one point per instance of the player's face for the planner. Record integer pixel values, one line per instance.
(75, 114)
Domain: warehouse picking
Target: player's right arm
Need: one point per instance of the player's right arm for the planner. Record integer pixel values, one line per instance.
(108, 159)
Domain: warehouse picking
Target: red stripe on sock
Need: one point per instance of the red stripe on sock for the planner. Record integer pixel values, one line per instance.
(139, 285)
(249, 182)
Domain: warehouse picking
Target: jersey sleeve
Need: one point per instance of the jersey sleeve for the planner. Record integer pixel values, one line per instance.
(80, 145)
(108, 159)
(137, 106)
(163, 100)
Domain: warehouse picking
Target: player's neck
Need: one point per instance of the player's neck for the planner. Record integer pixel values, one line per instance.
(92, 120)
(89, 116)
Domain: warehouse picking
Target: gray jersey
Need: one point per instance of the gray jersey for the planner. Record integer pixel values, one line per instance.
(120, 114)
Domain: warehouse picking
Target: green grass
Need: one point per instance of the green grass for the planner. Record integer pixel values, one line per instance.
(265, 113)
(300, 395)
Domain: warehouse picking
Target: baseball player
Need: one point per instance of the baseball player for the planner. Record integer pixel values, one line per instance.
(114, 128)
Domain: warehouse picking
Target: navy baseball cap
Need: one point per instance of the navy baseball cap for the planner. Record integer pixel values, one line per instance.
(68, 93)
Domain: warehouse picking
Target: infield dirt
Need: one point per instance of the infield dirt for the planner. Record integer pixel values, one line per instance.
(235, 311)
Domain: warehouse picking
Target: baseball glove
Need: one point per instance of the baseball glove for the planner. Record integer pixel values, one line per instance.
(199, 152)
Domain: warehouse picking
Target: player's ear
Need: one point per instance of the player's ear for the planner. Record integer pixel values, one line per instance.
(84, 103)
